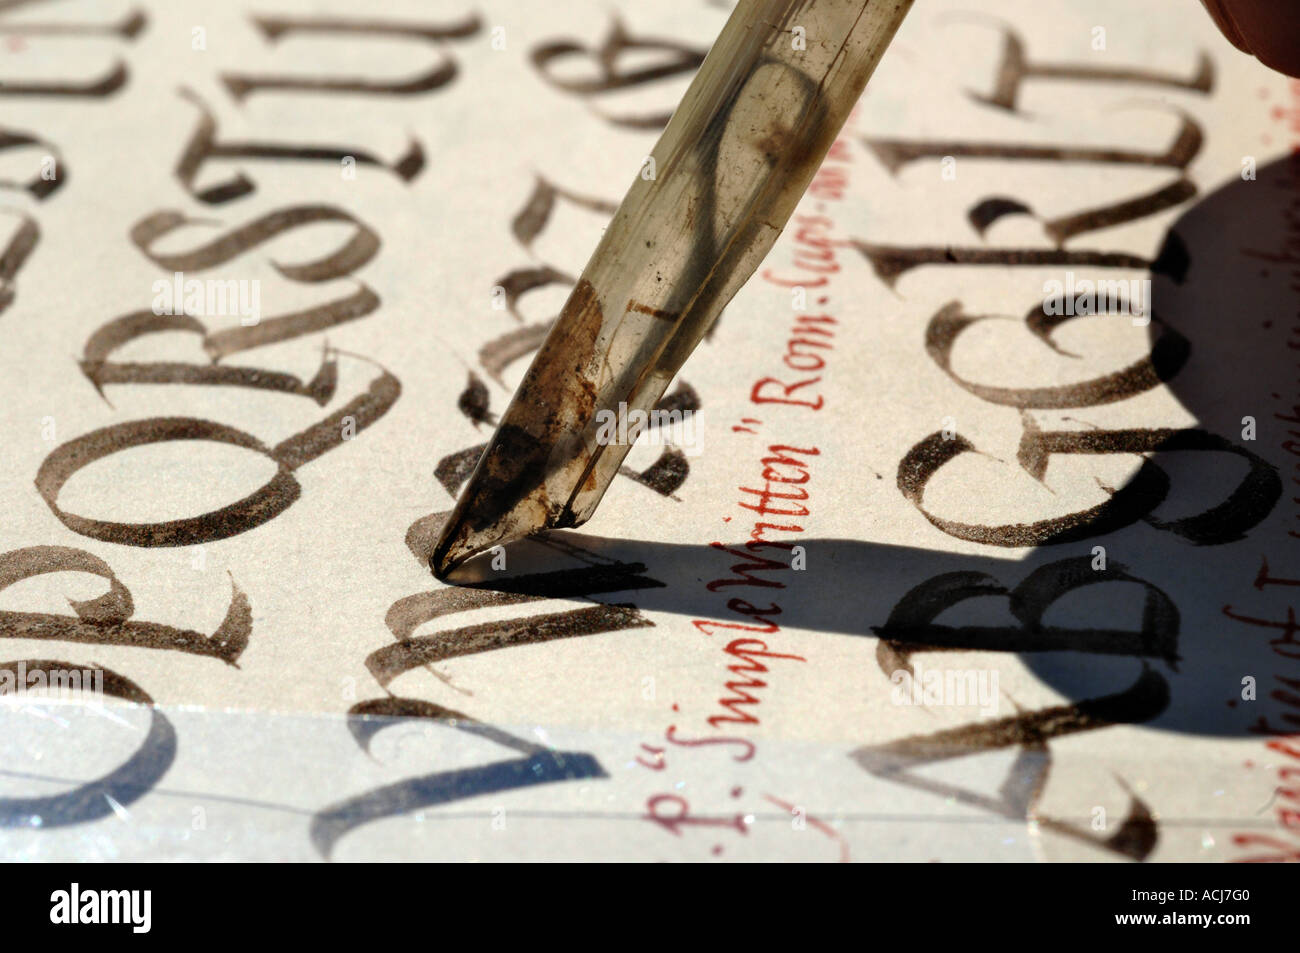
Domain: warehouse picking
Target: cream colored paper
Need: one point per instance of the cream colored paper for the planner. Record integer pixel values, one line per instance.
(695, 720)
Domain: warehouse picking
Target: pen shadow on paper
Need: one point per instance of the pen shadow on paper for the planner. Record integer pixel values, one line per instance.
(1157, 605)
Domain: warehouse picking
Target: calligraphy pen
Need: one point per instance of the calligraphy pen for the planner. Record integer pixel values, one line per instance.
(728, 171)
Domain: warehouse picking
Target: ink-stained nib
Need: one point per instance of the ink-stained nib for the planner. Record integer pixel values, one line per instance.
(721, 183)
(523, 481)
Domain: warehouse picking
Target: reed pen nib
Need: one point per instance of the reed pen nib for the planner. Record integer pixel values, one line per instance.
(528, 477)
(726, 174)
